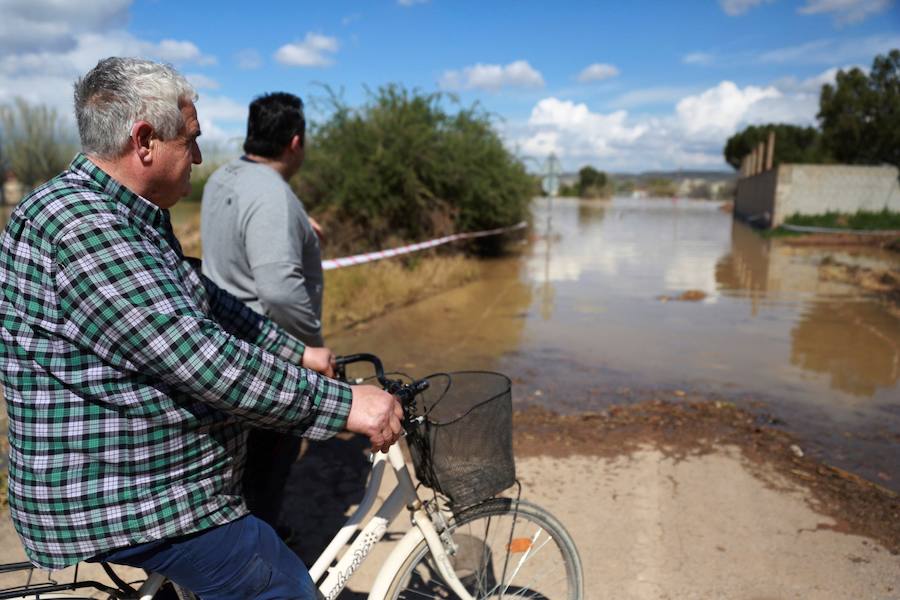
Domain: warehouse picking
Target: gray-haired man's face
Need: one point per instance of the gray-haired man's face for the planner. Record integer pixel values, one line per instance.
(173, 159)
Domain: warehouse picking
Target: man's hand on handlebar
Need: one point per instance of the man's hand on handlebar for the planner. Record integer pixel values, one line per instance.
(377, 415)
(319, 359)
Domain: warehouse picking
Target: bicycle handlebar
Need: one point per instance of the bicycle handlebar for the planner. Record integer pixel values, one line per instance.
(406, 392)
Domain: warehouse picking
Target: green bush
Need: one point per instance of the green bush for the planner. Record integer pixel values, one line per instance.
(402, 168)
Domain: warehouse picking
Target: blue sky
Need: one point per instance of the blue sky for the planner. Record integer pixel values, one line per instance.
(621, 86)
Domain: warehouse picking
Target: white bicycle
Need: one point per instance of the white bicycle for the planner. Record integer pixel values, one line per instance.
(464, 541)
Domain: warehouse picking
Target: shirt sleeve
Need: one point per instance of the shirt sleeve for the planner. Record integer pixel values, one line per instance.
(120, 299)
(239, 320)
(274, 236)
(282, 292)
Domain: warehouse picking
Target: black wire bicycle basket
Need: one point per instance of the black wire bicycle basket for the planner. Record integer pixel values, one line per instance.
(463, 449)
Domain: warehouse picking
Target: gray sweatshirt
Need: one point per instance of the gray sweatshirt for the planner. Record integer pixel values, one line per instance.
(259, 246)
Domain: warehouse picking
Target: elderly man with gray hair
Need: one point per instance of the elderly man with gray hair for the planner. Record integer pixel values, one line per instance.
(131, 380)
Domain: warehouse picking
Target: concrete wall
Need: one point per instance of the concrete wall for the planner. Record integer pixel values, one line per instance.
(755, 198)
(816, 189)
(769, 198)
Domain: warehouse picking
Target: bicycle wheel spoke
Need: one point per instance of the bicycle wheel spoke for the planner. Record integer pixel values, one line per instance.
(501, 552)
(417, 593)
(524, 558)
(522, 561)
(530, 587)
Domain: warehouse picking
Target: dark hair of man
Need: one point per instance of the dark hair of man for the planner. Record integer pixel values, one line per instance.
(274, 119)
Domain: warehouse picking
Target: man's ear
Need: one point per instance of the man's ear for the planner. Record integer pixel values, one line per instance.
(297, 142)
(141, 136)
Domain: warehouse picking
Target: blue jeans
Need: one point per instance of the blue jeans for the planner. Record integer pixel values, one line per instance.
(242, 560)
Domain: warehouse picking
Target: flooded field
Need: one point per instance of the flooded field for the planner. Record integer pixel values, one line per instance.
(585, 316)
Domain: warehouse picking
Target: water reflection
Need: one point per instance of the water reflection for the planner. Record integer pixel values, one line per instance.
(576, 318)
(839, 333)
(466, 328)
(851, 343)
(768, 270)
(591, 212)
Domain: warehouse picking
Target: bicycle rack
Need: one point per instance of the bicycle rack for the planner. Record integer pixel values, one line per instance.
(37, 589)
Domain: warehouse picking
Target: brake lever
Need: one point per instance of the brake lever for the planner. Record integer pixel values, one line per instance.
(407, 394)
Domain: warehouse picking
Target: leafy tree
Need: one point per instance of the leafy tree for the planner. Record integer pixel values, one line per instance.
(568, 190)
(793, 144)
(860, 114)
(589, 176)
(35, 144)
(402, 167)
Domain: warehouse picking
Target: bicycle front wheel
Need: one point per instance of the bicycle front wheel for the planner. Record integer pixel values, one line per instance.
(500, 549)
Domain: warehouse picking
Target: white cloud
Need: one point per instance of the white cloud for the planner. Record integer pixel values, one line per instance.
(845, 11)
(221, 108)
(831, 51)
(202, 82)
(248, 58)
(85, 14)
(53, 25)
(18, 34)
(493, 77)
(812, 85)
(45, 45)
(698, 58)
(571, 129)
(717, 111)
(739, 7)
(177, 51)
(223, 122)
(654, 95)
(691, 136)
(597, 72)
(315, 50)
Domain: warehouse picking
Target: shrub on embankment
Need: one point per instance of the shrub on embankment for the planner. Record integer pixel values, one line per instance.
(402, 167)
(35, 143)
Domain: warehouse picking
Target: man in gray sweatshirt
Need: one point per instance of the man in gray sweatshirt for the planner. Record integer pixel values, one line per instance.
(260, 245)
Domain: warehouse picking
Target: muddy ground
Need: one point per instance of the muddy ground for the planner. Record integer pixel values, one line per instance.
(677, 430)
(680, 430)
(665, 500)
(888, 241)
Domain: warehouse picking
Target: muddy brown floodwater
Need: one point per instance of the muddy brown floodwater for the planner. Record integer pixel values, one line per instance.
(578, 316)
(575, 317)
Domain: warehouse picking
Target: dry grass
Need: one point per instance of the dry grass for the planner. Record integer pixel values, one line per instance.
(188, 233)
(355, 294)
(359, 293)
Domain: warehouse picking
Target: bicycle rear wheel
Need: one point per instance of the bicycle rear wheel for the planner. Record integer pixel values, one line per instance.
(501, 549)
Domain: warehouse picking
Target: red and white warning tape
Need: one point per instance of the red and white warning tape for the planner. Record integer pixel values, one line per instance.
(358, 259)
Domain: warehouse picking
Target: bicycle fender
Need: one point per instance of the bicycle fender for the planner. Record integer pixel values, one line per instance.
(393, 563)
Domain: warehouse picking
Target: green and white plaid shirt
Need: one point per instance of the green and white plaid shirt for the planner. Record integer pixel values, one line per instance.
(129, 377)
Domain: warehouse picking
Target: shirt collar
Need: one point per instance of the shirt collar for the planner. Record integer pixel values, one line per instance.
(130, 202)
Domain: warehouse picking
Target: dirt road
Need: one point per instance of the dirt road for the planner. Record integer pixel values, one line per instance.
(665, 501)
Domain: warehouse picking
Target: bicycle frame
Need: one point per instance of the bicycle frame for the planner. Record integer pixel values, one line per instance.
(402, 496)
